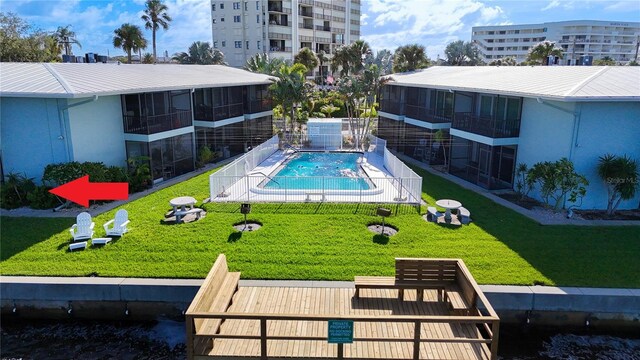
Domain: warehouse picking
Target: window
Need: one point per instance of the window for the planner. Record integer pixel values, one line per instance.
(258, 44)
(221, 6)
(236, 18)
(215, 44)
(246, 6)
(247, 44)
(224, 43)
(257, 19)
(214, 21)
(213, 7)
(236, 6)
(238, 44)
(221, 19)
(258, 5)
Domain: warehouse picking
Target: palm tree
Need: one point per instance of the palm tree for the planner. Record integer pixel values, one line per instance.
(620, 175)
(263, 64)
(410, 58)
(129, 38)
(64, 38)
(200, 53)
(606, 60)
(351, 58)
(147, 58)
(322, 58)
(459, 53)
(289, 88)
(540, 52)
(307, 58)
(155, 16)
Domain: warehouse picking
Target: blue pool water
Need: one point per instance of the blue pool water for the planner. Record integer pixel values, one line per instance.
(317, 171)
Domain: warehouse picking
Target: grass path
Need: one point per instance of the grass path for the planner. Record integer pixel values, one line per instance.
(327, 241)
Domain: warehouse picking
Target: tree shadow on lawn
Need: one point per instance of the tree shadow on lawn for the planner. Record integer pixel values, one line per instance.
(564, 254)
(312, 208)
(19, 234)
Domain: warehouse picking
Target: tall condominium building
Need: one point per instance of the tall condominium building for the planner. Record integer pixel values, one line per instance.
(578, 39)
(281, 28)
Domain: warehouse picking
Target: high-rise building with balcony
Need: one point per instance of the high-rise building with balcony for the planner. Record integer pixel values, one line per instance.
(578, 39)
(281, 28)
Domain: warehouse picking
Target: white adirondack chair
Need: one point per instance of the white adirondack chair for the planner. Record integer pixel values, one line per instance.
(119, 224)
(83, 228)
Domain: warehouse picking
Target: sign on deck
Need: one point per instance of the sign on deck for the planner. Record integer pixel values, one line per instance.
(340, 332)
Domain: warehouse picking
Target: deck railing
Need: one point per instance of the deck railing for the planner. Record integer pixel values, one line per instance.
(429, 115)
(487, 126)
(156, 123)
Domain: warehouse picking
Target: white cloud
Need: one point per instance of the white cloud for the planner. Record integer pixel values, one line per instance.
(552, 4)
(399, 22)
(623, 6)
(363, 19)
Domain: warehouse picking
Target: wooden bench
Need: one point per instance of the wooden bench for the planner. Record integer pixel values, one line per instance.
(461, 298)
(215, 296)
(418, 274)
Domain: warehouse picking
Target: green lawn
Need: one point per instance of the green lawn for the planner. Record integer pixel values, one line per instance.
(327, 241)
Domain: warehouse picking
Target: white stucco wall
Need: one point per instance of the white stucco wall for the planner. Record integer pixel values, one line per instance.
(97, 131)
(546, 134)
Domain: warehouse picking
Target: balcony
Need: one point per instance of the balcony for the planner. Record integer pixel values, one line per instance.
(208, 113)
(485, 126)
(429, 115)
(323, 28)
(147, 125)
(257, 106)
(393, 107)
(305, 12)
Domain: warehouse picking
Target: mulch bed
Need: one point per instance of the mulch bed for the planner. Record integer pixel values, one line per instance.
(602, 215)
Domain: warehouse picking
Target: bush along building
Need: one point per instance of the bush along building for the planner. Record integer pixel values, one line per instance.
(479, 123)
(165, 116)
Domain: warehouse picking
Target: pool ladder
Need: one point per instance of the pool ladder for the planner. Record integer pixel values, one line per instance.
(267, 176)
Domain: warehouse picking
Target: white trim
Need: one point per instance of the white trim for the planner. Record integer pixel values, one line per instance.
(159, 136)
(258, 115)
(391, 116)
(219, 123)
(426, 124)
(484, 139)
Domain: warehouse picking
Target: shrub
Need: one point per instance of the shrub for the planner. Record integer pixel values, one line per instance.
(557, 180)
(205, 156)
(13, 193)
(620, 175)
(41, 198)
(139, 173)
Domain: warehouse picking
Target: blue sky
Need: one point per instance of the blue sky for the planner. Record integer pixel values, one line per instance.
(385, 23)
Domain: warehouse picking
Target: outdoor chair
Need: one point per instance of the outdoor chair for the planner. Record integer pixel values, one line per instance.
(119, 226)
(433, 214)
(83, 228)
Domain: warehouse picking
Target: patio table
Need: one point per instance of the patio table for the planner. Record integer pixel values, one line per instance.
(448, 204)
(182, 202)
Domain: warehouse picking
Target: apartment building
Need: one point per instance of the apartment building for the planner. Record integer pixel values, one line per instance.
(281, 28)
(477, 123)
(579, 39)
(57, 112)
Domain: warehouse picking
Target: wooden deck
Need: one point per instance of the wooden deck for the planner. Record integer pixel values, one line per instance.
(334, 302)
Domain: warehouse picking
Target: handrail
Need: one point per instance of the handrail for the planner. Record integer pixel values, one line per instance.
(364, 318)
(265, 175)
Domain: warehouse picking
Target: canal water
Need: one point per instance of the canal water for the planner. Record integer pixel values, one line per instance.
(164, 340)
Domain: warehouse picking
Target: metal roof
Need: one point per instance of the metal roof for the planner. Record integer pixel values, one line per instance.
(69, 80)
(563, 83)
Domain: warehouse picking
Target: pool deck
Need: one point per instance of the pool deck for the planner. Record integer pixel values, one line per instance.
(385, 187)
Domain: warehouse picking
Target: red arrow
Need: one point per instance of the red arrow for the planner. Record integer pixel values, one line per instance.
(80, 191)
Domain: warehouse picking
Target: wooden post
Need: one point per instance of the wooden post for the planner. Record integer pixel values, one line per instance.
(263, 338)
(416, 340)
(340, 351)
(190, 331)
(495, 329)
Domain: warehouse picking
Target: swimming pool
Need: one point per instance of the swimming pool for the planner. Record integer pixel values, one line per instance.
(320, 171)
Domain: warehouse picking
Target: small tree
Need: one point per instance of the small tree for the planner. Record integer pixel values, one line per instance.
(605, 61)
(557, 180)
(620, 175)
(442, 138)
(523, 182)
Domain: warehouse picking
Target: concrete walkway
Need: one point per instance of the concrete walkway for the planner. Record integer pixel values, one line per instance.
(535, 216)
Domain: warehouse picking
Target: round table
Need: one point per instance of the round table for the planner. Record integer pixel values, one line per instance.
(448, 204)
(182, 202)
